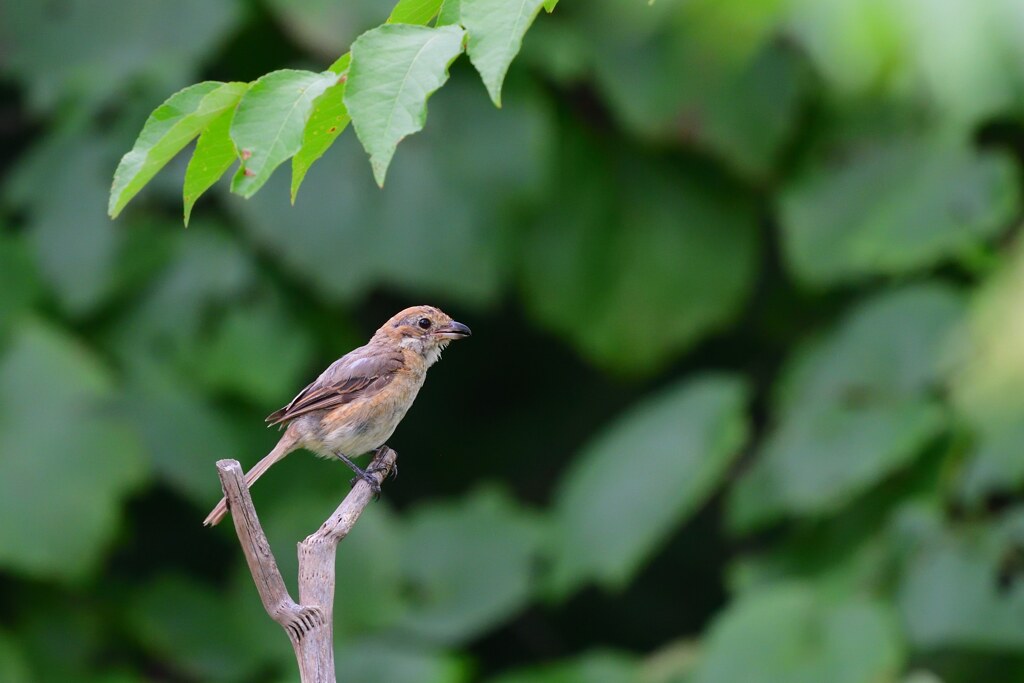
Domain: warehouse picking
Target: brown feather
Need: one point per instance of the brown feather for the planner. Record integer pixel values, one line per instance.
(359, 374)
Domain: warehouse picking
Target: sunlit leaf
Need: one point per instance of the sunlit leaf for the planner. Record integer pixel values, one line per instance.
(496, 29)
(270, 121)
(213, 156)
(449, 13)
(170, 127)
(327, 121)
(395, 68)
(646, 474)
(71, 473)
(414, 11)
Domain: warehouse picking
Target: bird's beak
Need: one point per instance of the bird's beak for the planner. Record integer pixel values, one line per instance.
(453, 330)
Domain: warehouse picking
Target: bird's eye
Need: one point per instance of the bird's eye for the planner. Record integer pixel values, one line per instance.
(424, 323)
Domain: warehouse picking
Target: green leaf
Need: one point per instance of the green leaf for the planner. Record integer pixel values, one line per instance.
(381, 660)
(496, 158)
(788, 634)
(395, 68)
(184, 624)
(549, 5)
(340, 65)
(469, 565)
(328, 120)
(853, 407)
(644, 476)
(626, 262)
(496, 29)
(593, 667)
(74, 242)
(170, 127)
(895, 206)
(13, 665)
(950, 596)
(268, 126)
(994, 466)
(19, 280)
(414, 11)
(67, 459)
(75, 60)
(449, 13)
(213, 156)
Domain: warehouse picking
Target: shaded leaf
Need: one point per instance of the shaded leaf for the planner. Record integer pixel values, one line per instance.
(496, 29)
(83, 464)
(268, 126)
(469, 565)
(395, 68)
(449, 13)
(213, 156)
(788, 634)
(185, 625)
(625, 261)
(19, 280)
(853, 407)
(646, 474)
(593, 667)
(83, 53)
(950, 594)
(384, 661)
(895, 206)
(13, 665)
(170, 127)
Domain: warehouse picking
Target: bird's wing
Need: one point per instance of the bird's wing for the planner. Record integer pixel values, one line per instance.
(359, 374)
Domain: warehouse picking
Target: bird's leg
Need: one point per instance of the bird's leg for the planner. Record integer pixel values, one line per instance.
(373, 469)
(360, 474)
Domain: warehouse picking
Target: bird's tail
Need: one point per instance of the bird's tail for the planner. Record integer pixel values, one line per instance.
(286, 445)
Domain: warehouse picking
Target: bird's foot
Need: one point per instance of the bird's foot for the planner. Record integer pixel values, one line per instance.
(367, 476)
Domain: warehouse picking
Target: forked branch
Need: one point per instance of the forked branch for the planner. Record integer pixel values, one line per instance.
(309, 622)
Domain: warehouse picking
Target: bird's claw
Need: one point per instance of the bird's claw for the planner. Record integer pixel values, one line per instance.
(368, 477)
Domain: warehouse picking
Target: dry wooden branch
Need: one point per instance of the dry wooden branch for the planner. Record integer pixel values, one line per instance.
(308, 623)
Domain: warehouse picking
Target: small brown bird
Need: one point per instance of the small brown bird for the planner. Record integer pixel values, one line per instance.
(356, 404)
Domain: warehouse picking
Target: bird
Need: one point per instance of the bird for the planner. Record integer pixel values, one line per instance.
(354, 406)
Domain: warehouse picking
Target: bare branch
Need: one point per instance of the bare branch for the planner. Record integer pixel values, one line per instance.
(309, 623)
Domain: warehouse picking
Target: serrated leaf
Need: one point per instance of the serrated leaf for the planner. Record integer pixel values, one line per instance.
(213, 156)
(496, 29)
(328, 120)
(610, 514)
(414, 11)
(268, 126)
(170, 127)
(340, 65)
(395, 68)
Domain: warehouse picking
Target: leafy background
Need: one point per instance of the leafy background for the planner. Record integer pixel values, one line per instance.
(745, 399)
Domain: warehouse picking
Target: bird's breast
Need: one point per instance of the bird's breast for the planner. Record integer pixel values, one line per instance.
(363, 425)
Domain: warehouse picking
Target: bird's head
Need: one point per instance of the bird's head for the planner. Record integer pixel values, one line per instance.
(423, 329)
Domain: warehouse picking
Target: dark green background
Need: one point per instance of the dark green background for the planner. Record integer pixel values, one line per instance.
(744, 400)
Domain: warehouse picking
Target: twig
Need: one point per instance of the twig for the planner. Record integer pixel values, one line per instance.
(309, 623)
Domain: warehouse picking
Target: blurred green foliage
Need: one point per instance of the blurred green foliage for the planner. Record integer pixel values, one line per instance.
(743, 402)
